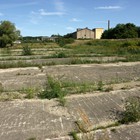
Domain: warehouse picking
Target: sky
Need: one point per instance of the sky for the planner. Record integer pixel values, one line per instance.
(47, 17)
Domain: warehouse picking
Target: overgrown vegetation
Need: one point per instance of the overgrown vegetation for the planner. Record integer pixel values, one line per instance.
(53, 89)
(74, 135)
(131, 111)
(26, 50)
(122, 31)
(63, 41)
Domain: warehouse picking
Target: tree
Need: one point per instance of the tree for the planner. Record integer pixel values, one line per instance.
(8, 33)
(121, 31)
(139, 32)
(108, 34)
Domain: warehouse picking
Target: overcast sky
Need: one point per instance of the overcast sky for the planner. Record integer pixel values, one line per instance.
(47, 17)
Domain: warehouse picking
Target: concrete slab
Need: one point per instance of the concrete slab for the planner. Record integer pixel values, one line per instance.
(46, 119)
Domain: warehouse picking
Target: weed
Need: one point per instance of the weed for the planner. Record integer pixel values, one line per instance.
(1, 88)
(84, 125)
(109, 88)
(6, 51)
(26, 50)
(52, 90)
(8, 96)
(113, 130)
(131, 110)
(100, 85)
(62, 100)
(30, 93)
(107, 126)
(126, 44)
(58, 55)
(74, 135)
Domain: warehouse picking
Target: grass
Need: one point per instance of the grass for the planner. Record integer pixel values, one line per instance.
(17, 64)
(53, 89)
(8, 96)
(131, 111)
(74, 135)
(129, 49)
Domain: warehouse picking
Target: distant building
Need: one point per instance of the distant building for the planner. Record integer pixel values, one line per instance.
(17, 42)
(86, 33)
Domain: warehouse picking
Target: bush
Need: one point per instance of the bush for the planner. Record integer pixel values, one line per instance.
(133, 49)
(132, 110)
(26, 50)
(63, 41)
(53, 89)
(59, 55)
(138, 44)
(126, 44)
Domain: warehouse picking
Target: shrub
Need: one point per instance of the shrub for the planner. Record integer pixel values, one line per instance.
(100, 85)
(26, 50)
(74, 135)
(1, 87)
(138, 44)
(63, 41)
(131, 111)
(61, 55)
(134, 49)
(30, 93)
(126, 44)
(52, 90)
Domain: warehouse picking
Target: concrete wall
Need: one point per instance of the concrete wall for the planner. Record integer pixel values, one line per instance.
(98, 32)
(85, 33)
(88, 34)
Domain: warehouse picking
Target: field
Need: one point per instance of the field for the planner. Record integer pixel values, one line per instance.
(71, 91)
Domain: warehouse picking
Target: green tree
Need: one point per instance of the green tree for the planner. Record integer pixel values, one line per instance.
(121, 31)
(108, 34)
(139, 32)
(8, 33)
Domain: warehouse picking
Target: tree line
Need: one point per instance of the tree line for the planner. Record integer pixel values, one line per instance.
(9, 34)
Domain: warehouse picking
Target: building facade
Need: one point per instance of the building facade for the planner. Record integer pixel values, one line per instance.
(88, 33)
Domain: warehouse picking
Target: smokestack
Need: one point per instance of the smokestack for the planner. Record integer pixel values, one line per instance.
(108, 24)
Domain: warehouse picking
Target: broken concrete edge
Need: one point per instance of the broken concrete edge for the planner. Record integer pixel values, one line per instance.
(107, 131)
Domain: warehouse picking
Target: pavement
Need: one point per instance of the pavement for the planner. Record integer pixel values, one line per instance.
(48, 120)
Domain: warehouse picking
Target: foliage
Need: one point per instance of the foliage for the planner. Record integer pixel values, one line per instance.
(53, 89)
(8, 33)
(30, 93)
(121, 31)
(63, 41)
(100, 85)
(132, 110)
(59, 55)
(26, 50)
(74, 135)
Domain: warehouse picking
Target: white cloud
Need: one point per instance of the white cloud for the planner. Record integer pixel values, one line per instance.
(75, 20)
(108, 7)
(42, 12)
(70, 28)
